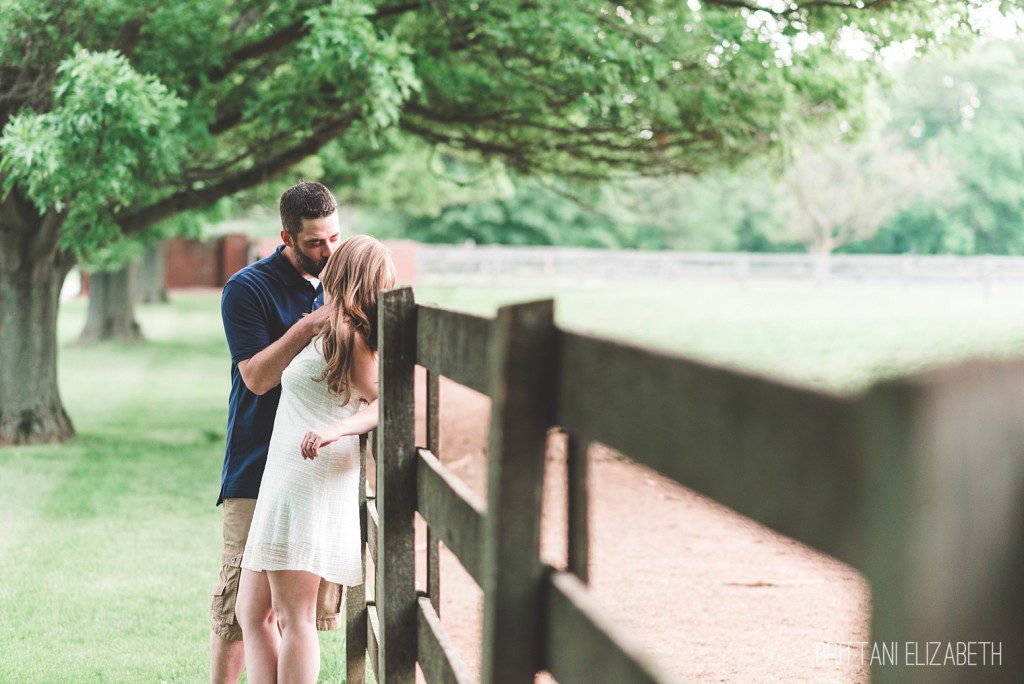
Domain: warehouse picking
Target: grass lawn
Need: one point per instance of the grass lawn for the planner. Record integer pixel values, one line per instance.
(839, 335)
(109, 544)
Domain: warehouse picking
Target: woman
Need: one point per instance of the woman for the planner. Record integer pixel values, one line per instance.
(306, 522)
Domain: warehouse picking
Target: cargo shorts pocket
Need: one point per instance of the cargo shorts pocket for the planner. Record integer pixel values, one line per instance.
(225, 593)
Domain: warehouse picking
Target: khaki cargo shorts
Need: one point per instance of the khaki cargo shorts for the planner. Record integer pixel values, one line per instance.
(237, 519)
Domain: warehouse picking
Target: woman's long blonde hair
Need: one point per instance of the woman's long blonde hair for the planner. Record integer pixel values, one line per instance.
(353, 277)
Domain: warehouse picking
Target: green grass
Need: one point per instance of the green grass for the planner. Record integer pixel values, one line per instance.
(109, 544)
(839, 335)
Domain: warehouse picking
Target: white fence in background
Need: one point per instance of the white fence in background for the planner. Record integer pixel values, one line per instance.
(494, 263)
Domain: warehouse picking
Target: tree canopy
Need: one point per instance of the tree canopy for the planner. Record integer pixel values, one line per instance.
(117, 115)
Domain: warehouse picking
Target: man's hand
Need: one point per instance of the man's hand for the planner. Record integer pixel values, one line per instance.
(317, 320)
(315, 439)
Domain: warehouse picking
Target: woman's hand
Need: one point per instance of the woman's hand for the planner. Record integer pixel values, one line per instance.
(315, 439)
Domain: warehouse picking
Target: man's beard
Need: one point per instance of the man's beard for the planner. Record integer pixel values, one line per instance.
(310, 266)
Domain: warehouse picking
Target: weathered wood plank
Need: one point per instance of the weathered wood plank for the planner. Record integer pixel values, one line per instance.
(454, 344)
(452, 510)
(355, 634)
(355, 596)
(946, 522)
(438, 658)
(373, 639)
(577, 502)
(433, 405)
(372, 530)
(372, 519)
(434, 569)
(371, 452)
(522, 363)
(784, 455)
(396, 488)
(583, 645)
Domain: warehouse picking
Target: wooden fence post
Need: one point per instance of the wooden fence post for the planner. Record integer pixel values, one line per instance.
(355, 597)
(396, 489)
(577, 503)
(433, 407)
(945, 520)
(521, 359)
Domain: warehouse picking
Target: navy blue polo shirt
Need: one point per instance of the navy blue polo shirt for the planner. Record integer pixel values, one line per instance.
(259, 304)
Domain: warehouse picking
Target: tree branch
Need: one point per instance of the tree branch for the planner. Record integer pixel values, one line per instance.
(136, 220)
(395, 10)
(130, 34)
(49, 232)
(289, 35)
(797, 5)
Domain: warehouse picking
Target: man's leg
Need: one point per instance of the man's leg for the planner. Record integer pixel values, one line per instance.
(227, 654)
(227, 660)
(329, 598)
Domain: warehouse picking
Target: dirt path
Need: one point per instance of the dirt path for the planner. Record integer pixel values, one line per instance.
(711, 594)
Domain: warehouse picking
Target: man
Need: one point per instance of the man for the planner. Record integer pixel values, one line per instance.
(271, 310)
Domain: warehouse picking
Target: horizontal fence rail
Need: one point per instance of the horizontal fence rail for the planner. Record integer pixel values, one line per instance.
(893, 480)
(452, 511)
(747, 441)
(454, 344)
(583, 645)
(495, 263)
(435, 652)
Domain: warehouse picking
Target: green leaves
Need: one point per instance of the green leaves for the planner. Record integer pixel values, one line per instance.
(343, 68)
(239, 92)
(110, 134)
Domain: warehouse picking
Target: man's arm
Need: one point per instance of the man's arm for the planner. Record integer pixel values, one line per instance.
(262, 372)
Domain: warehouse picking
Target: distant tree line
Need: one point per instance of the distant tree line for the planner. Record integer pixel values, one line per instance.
(941, 170)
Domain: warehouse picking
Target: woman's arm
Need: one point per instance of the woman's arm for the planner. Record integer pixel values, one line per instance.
(358, 423)
(364, 382)
(364, 369)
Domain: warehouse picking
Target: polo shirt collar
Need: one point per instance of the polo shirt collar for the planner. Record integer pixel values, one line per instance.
(285, 269)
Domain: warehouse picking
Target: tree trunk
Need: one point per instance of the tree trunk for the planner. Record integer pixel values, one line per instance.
(822, 264)
(111, 314)
(150, 287)
(31, 411)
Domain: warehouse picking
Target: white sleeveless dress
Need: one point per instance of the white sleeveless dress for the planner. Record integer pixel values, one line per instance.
(307, 511)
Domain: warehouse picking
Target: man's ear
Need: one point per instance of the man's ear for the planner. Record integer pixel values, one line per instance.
(286, 238)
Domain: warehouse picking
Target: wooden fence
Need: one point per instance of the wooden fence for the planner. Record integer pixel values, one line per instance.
(459, 264)
(917, 482)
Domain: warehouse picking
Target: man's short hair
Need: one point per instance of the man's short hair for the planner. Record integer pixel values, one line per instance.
(307, 200)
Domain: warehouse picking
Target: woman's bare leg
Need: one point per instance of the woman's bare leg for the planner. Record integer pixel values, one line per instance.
(255, 614)
(294, 596)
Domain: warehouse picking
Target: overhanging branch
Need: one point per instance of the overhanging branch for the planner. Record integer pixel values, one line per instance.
(134, 220)
(283, 38)
(797, 6)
